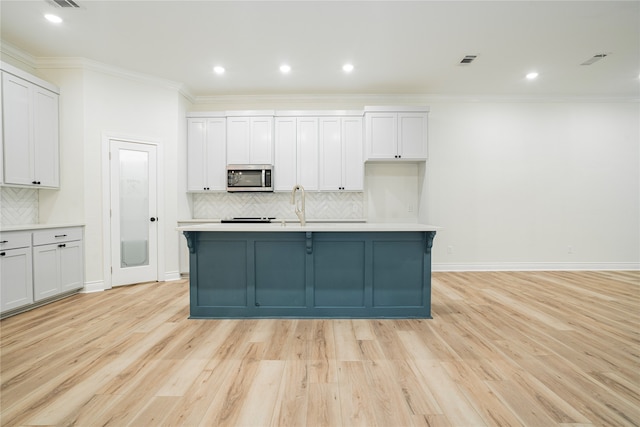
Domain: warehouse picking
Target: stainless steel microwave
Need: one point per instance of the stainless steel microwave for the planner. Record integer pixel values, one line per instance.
(249, 178)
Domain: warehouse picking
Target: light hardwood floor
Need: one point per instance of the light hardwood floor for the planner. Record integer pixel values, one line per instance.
(503, 349)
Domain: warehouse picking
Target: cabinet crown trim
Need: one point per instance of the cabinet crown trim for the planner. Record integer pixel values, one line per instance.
(396, 109)
(7, 68)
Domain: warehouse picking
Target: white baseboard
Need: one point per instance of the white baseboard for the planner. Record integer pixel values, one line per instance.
(172, 275)
(95, 286)
(537, 266)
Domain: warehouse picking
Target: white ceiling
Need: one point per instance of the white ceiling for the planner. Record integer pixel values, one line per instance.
(397, 47)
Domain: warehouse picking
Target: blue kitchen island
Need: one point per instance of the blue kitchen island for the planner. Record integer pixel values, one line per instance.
(323, 270)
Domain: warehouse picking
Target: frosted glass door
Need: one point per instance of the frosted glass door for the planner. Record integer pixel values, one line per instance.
(133, 218)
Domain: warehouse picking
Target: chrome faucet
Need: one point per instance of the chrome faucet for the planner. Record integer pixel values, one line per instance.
(299, 211)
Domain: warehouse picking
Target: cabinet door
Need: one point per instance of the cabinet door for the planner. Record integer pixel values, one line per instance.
(16, 100)
(261, 143)
(307, 152)
(45, 138)
(330, 154)
(71, 266)
(285, 173)
(215, 158)
(16, 287)
(382, 135)
(46, 276)
(238, 139)
(412, 136)
(353, 163)
(196, 158)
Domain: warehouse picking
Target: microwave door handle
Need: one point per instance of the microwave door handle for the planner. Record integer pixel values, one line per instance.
(263, 178)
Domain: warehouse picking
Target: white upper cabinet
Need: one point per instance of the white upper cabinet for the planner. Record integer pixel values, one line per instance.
(296, 153)
(285, 174)
(352, 146)
(250, 140)
(30, 133)
(307, 152)
(341, 163)
(206, 158)
(396, 134)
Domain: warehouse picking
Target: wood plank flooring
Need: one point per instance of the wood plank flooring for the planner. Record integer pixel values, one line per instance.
(503, 349)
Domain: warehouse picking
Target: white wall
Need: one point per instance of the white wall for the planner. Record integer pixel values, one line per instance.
(521, 185)
(391, 192)
(66, 205)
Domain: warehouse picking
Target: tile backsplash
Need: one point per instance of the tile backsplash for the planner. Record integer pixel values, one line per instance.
(18, 206)
(318, 205)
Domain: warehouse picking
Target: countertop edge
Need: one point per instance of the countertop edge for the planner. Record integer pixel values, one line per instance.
(310, 227)
(27, 227)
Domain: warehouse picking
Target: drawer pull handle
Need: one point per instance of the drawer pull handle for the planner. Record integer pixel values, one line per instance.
(3, 253)
(4, 241)
(62, 245)
(60, 235)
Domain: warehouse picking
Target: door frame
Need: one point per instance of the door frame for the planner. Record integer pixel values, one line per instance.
(107, 137)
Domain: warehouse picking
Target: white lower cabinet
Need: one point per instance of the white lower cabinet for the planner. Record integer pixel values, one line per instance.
(37, 265)
(57, 261)
(16, 289)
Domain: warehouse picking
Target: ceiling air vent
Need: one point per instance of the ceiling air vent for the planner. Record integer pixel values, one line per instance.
(595, 58)
(64, 3)
(468, 59)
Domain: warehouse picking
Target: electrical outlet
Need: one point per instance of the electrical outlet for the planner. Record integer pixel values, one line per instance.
(569, 249)
(410, 208)
(449, 249)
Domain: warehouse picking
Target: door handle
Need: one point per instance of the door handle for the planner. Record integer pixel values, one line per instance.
(153, 219)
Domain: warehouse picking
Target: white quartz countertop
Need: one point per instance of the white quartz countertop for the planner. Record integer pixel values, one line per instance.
(27, 227)
(313, 227)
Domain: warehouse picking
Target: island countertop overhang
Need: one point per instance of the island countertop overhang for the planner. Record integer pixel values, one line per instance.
(290, 227)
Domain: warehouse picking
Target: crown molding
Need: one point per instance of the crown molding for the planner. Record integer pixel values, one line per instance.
(34, 63)
(18, 55)
(402, 99)
(89, 64)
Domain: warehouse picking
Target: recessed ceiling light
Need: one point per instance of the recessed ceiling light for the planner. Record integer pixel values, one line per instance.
(53, 18)
(532, 75)
(347, 68)
(285, 69)
(218, 69)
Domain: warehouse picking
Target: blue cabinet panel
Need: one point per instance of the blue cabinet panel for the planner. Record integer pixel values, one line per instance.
(222, 281)
(280, 273)
(338, 279)
(398, 271)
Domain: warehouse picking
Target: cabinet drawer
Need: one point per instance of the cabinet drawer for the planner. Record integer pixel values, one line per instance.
(15, 239)
(56, 235)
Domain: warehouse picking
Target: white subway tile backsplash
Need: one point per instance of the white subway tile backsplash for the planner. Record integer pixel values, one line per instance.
(338, 205)
(18, 206)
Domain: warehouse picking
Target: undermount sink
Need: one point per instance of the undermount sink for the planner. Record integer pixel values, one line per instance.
(248, 220)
